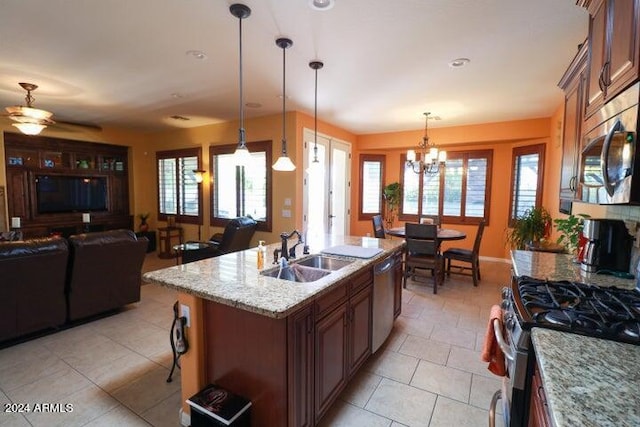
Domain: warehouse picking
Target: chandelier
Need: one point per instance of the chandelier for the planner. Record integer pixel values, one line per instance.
(29, 120)
(428, 159)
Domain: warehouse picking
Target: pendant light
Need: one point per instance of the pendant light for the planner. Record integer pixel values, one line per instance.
(241, 155)
(315, 163)
(284, 163)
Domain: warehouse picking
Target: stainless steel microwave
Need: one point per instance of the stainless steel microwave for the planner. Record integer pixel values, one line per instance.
(609, 162)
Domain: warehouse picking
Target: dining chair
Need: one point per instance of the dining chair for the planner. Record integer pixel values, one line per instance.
(422, 254)
(378, 227)
(430, 219)
(470, 256)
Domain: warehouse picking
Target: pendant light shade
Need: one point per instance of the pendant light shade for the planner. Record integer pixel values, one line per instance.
(241, 155)
(284, 163)
(315, 163)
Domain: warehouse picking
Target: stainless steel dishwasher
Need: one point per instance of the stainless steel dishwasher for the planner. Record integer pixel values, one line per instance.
(383, 287)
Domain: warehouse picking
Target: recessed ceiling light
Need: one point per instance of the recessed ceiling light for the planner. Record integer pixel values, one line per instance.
(198, 54)
(176, 95)
(253, 105)
(321, 4)
(458, 63)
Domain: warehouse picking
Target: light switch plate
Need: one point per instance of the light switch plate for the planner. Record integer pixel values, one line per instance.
(287, 201)
(286, 213)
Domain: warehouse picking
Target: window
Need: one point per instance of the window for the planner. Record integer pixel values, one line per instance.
(179, 194)
(460, 193)
(526, 180)
(371, 178)
(241, 190)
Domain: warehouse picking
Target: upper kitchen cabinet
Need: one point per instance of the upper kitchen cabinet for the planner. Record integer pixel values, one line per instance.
(573, 84)
(613, 50)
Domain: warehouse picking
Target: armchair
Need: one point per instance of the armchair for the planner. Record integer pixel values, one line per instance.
(236, 237)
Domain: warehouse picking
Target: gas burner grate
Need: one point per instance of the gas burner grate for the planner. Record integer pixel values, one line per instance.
(610, 313)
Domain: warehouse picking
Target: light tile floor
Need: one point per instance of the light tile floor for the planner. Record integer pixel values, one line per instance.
(113, 370)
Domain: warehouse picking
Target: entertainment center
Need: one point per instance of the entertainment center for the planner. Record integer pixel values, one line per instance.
(52, 182)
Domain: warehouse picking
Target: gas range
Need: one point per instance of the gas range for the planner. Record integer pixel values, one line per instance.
(609, 313)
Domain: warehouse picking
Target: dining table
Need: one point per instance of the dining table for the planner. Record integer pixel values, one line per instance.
(444, 234)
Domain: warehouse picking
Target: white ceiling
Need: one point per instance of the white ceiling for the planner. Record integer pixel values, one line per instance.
(118, 62)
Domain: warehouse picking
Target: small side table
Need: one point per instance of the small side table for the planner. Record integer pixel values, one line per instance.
(186, 247)
(165, 236)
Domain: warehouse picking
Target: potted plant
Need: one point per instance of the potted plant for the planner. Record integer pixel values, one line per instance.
(391, 194)
(570, 229)
(530, 228)
(143, 222)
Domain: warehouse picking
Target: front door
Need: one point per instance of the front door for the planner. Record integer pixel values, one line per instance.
(327, 183)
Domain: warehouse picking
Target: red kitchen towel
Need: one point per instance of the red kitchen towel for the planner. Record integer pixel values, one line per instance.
(491, 351)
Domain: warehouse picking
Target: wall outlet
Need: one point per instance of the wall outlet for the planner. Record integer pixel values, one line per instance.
(185, 312)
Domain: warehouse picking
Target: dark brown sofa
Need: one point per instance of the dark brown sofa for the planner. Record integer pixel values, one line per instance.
(104, 272)
(33, 275)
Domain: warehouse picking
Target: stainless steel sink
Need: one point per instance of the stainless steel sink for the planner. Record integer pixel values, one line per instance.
(294, 273)
(324, 262)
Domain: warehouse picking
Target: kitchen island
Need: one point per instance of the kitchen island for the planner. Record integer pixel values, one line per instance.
(289, 347)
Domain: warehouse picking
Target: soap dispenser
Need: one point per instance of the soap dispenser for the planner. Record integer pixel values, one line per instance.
(262, 254)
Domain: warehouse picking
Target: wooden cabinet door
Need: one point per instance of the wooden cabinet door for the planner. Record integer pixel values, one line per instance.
(300, 381)
(119, 195)
(614, 41)
(573, 84)
(18, 193)
(330, 358)
(597, 56)
(538, 411)
(360, 323)
(622, 68)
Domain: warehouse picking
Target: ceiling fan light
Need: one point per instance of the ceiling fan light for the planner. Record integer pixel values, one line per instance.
(284, 164)
(29, 128)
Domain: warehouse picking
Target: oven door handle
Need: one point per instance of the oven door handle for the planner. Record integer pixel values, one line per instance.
(492, 408)
(497, 330)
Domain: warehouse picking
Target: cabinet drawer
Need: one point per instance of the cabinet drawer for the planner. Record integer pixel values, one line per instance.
(326, 303)
(360, 281)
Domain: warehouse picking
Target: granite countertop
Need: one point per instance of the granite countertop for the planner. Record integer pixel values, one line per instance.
(588, 381)
(234, 279)
(552, 266)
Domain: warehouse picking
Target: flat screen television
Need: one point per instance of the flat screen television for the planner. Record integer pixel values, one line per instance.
(64, 193)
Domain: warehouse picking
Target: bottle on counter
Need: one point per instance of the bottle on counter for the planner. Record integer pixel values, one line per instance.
(262, 254)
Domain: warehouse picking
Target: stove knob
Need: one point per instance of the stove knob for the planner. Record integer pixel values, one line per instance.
(506, 293)
(505, 304)
(509, 321)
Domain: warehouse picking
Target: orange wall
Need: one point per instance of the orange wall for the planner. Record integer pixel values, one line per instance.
(500, 137)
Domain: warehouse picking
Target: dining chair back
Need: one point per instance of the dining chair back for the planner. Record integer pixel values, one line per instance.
(467, 256)
(378, 227)
(422, 254)
(430, 219)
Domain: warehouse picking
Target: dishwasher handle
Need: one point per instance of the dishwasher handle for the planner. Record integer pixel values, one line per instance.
(383, 266)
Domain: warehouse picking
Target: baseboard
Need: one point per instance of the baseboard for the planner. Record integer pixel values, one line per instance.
(492, 259)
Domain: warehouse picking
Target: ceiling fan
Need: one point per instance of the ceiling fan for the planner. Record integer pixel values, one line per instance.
(30, 120)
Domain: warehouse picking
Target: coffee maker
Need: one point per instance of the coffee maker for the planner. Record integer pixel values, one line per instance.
(608, 246)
